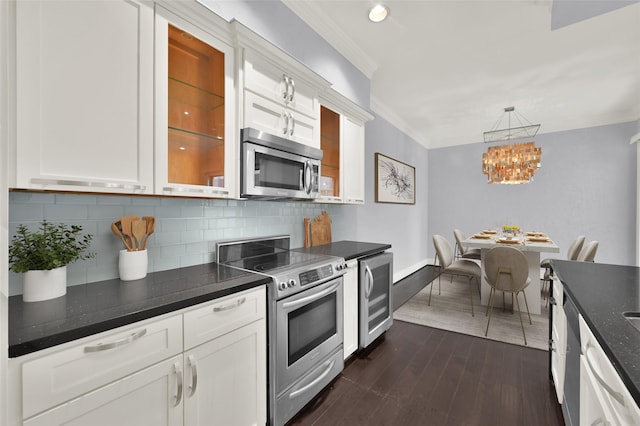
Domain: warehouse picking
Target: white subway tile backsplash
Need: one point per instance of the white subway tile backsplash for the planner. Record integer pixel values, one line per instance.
(186, 229)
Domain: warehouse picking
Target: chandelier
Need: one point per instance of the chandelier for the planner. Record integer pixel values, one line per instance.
(511, 164)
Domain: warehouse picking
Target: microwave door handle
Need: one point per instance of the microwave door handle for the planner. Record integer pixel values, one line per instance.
(307, 177)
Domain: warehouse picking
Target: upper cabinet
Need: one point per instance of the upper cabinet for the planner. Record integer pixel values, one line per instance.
(342, 143)
(84, 89)
(196, 139)
(276, 93)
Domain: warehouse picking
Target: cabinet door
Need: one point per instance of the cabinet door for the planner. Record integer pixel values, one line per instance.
(558, 339)
(84, 75)
(195, 125)
(151, 397)
(353, 163)
(279, 85)
(331, 145)
(269, 116)
(225, 379)
(351, 309)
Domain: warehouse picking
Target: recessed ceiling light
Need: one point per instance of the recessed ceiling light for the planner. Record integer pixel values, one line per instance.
(378, 13)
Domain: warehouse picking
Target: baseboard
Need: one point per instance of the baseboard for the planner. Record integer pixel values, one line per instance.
(399, 275)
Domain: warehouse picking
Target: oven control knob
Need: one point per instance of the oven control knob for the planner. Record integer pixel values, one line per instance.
(292, 282)
(283, 285)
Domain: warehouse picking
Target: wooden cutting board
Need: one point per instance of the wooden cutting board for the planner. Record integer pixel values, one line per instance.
(318, 230)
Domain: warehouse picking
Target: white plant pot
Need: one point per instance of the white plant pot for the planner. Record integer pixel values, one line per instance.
(44, 285)
(132, 265)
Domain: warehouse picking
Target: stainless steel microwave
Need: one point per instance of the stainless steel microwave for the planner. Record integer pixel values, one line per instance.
(274, 167)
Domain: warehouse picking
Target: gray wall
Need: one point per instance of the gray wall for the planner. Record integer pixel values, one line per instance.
(586, 185)
(401, 225)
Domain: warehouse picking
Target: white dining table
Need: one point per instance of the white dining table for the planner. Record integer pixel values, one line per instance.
(532, 252)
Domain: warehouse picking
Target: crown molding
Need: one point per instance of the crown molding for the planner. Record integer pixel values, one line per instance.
(328, 30)
(386, 113)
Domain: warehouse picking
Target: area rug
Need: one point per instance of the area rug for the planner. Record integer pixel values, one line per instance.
(451, 310)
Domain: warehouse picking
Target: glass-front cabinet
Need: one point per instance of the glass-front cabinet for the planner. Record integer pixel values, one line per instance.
(195, 134)
(330, 182)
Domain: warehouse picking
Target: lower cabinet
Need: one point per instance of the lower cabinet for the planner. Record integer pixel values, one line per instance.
(350, 320)
(144, 375)
(558, 343)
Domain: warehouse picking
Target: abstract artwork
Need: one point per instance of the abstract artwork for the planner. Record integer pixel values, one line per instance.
(395, 181)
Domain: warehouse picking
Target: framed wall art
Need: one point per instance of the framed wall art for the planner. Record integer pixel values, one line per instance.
(395, 181)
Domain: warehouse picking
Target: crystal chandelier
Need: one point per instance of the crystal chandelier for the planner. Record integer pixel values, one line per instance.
(511, 164)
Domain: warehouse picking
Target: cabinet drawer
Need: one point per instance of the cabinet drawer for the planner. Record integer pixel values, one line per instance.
(223, 316)
(67, 373)
(609, 387)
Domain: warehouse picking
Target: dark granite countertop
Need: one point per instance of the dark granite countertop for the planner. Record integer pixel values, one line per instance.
(100, 306)
(347, 249)
(602, 293)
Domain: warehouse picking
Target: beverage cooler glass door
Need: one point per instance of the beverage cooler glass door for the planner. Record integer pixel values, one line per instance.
(376, 297)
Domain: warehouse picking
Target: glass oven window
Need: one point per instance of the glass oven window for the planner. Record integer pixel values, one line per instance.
(311, 325)
(275, 172)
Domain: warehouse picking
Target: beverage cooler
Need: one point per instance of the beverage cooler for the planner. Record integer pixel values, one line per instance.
(375, 297)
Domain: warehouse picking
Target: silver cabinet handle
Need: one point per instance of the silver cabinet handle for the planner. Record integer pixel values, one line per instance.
(293, 89)
(178, 372)
(314, 382)
(614, 394)
(369, 281)
(285, 92)
(234, 305)
(89, 183)
(293, 125)
(194, 375)
(125, 340)
(285, 129)
(198, 190)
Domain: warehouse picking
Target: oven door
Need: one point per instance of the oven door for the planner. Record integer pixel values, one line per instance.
(308, 329)
(269, 172)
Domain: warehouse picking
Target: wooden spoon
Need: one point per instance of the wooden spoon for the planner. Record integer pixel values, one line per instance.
(151, 225)
(139, 230)
(116, 230)
(126, 222)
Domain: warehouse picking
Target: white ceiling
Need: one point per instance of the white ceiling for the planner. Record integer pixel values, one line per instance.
(443, 70)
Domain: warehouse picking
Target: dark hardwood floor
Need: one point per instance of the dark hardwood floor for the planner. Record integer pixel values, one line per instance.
(419, 375)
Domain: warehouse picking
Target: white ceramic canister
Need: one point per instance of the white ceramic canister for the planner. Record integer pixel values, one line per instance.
(132, 265)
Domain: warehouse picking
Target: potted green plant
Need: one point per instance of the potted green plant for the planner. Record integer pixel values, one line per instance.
(43, 257)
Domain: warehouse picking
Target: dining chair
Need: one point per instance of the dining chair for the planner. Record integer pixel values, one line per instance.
(572, 254)
(506, 269)
(588, 252)
(447, 265)
(462, 252)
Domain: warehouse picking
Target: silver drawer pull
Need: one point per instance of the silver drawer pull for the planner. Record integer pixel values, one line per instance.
(194, 375)
(106, 346)
(237, 303)
(614, 394)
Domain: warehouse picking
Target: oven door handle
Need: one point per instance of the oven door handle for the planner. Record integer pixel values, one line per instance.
(369, 288)
(308, 299)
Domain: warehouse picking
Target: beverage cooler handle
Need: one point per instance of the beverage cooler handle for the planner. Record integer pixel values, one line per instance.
(369, 281)
(307, 177)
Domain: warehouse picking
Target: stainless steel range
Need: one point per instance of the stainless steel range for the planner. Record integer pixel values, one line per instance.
(305, 318)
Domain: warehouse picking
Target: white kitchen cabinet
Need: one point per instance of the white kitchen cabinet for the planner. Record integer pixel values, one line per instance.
(604, 398)
(350, 319)
(277, 94)
(202, 364)
(225, 364)
(558, 338)
(343, 145)
(353, 163)
(196, 138)
(225, 379)
(84, 88)
(151, 397)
